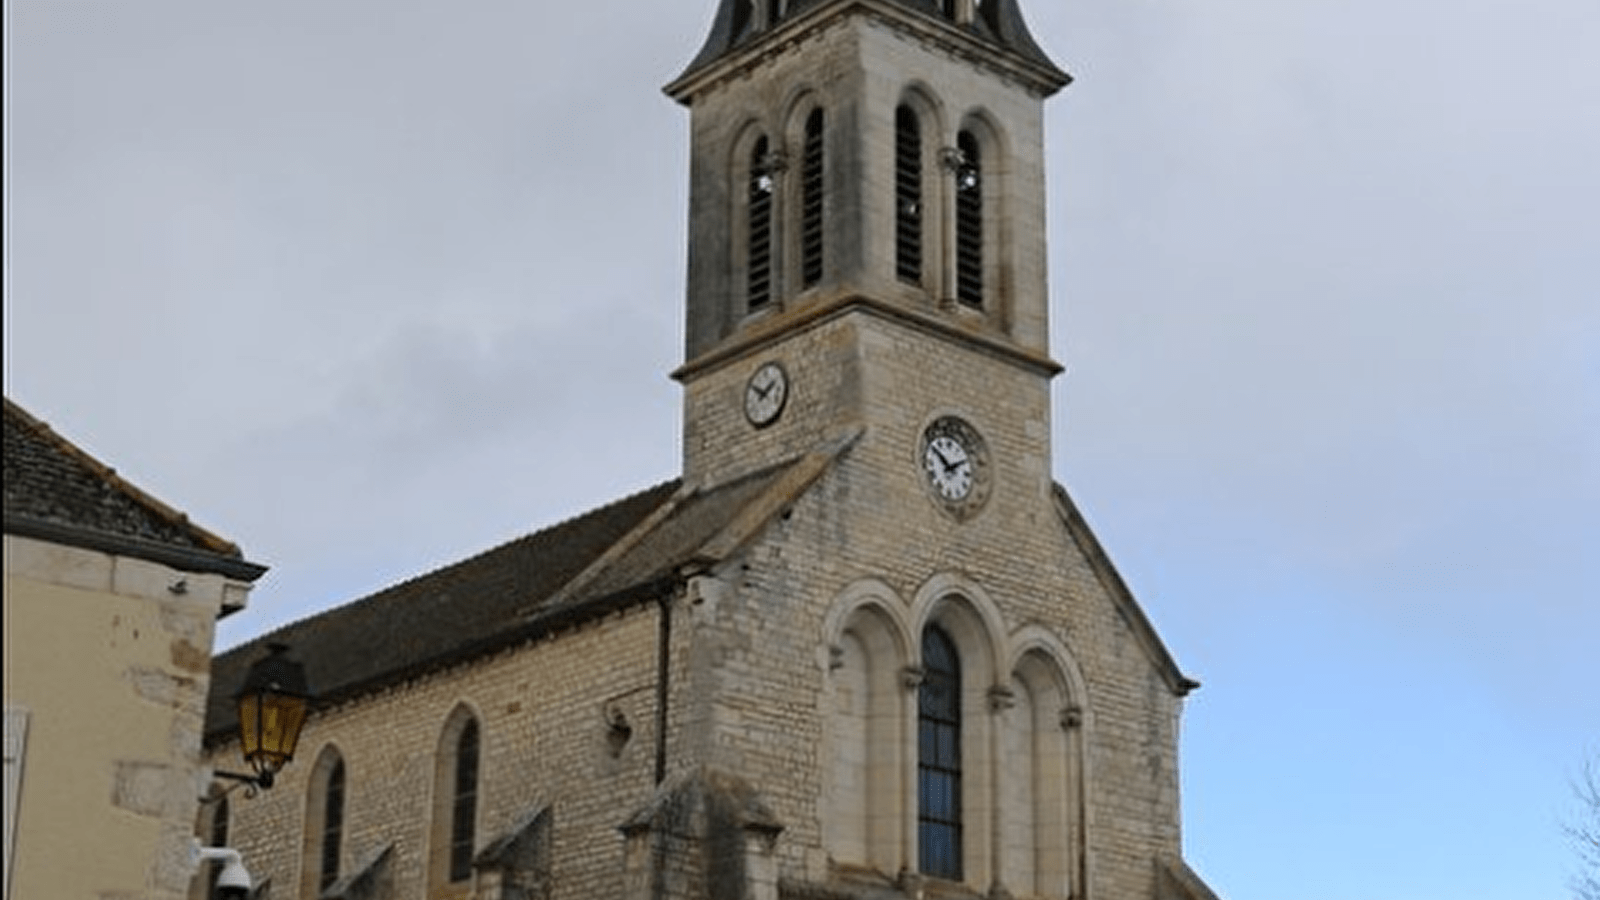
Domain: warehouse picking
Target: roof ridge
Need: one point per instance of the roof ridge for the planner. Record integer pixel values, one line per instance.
(390, 588)
(169, 514)
(628, 541)
(799, 473)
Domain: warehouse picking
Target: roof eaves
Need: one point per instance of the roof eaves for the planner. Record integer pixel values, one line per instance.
(1111, 580)
(182, 558)
(543, 624)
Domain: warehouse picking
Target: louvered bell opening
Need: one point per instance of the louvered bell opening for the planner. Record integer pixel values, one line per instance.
(969, 223)
(811, 189)
(907, 196)
(759, 279)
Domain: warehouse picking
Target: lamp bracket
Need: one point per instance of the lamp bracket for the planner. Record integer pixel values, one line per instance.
(252, 784)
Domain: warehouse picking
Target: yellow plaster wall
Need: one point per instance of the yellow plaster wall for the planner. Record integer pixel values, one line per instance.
(111, 659)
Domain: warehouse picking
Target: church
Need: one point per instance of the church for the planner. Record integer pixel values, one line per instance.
(863, 646)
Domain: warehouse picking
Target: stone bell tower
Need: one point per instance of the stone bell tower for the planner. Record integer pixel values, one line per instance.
(877, 159)
(905, 667)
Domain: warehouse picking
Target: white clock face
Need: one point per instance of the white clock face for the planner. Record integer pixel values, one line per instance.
(765, 394)
(949, 466)
(955, 466)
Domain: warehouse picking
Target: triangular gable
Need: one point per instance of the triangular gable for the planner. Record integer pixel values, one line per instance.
(1117, 589)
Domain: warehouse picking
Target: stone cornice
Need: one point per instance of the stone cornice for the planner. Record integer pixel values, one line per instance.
(1037, 78)
(763, 334)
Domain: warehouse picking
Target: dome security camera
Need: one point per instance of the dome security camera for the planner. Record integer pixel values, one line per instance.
(233, 883)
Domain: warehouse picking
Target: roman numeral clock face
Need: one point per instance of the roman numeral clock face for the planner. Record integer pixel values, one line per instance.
(955, 466)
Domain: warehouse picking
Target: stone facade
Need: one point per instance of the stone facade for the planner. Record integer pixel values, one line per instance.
(726, 691)
(550, 715)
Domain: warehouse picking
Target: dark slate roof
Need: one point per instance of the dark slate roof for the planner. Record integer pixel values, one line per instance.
(999, 22)
(55, 491)
(627, 552)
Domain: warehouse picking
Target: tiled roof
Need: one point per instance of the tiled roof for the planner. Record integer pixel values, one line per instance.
(55, 491)
(629, 551)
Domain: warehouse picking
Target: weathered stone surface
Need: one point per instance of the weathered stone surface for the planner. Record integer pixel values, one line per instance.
(752, 726)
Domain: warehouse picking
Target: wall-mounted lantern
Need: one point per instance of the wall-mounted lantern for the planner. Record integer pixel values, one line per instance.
(273, 702)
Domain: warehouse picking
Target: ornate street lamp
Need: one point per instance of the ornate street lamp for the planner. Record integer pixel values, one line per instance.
(273, 702)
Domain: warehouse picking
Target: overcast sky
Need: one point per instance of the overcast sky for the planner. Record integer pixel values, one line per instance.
(368, 287)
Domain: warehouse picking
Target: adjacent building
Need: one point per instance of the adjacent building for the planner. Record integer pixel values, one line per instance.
(111, 601)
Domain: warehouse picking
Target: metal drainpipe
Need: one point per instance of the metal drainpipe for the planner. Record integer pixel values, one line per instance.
(663, 673)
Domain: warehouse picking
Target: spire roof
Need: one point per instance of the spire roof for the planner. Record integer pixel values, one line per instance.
(997, 22)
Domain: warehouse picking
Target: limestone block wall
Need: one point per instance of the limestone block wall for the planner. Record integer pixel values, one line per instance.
(108, 659)
(766, 638)
(543, 711)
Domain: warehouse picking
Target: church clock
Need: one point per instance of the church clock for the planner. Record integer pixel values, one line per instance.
(955, 465)
(765, 394)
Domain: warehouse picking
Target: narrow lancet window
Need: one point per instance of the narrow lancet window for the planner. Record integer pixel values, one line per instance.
(907, 195)
(811, 190)
(464, 812)
(759, 231)
(969, 221)
(939, 758)
(332, 826)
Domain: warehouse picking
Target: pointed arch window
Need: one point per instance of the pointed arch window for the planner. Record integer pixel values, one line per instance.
(907, 195)
(811, 192)
(322, 840)
(332, 826)
(456, 774)
(939, 757)
(969, 220)
(759, 189)
(464, 805)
